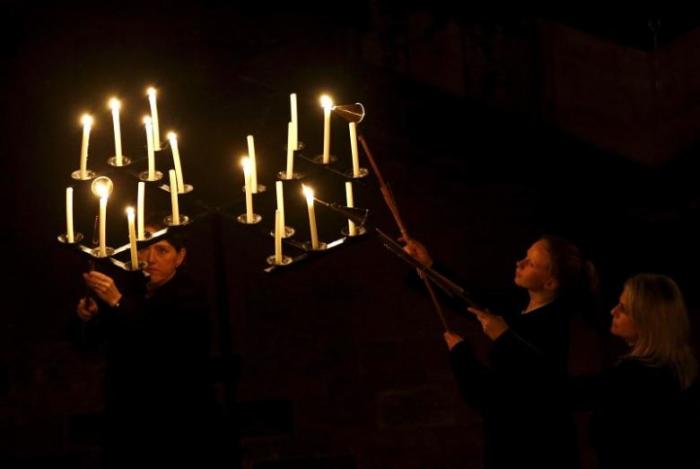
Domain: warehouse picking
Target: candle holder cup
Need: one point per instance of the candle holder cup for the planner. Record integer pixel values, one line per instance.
(77, 237)
(362, 173)
(141, 265)
(187, 188)
(318, 159)
(359, 231)
(112, 161)
(89, 174)
(282, 176)
(286, 260)
(321, 246)
(184, 220)
(157, 176)
(95, 252)
(244, 219)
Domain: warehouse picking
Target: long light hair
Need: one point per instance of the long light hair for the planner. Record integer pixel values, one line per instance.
(657, 308)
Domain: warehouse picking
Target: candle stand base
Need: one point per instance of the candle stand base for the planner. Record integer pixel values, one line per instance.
(288, 232)
(244, 219)
(318, 159)
(261, 189)
(363, 173)
(187, 188)
(88, 175)
(141, 265)
(359, 231)
(184, 219)
(113, 162)
(321, 246)
(77, 237)
(282, 176)
(286, 260)
(144, 176)
(96, 252)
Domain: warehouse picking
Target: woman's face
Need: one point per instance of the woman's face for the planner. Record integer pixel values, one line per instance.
(163, 260)
(534, 271)
(623, 325)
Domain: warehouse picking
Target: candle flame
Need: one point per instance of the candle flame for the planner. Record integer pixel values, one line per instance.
(172, 136)
(102, 186)
(245, 162)
(114, 103)
(308, 192)
(129, 212)
(326, 102)
(151, 91)
(146, 120)
(86, 120)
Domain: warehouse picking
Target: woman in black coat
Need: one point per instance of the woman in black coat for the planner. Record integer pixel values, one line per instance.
(159, 399)
(637, 413)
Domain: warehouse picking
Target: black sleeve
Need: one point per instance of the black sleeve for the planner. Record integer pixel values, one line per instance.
(478, 383)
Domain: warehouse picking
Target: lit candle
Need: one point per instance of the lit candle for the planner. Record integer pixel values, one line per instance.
(248, 190)
(70, 235)
(280, 201)
(151, 92)
(352, 231)
(309, 193)
(132, 238)
(103, 225)
(327, 104)
(139, 209)
(295, 120)
(172, 138)
(279, 228)
(290, 150)
(115, 105)
(173, 198)
(353, 150)
(149, 142)
(86, 120)
(253, 164)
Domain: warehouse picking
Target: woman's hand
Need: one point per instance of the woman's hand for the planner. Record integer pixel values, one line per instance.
(492, 324)
(451, 339)
(103, 286)
(87, 308)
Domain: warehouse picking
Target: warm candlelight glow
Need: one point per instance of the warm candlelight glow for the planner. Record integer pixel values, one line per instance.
(308, 192)
(172, 138)
(326, 102)
(114, 103)
(147, 120)
(102, 186)
(132, 238)
(245, 162)
(86, 120)
(150, 91)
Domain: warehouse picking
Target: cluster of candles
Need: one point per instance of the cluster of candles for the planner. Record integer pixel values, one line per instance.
(102, 186)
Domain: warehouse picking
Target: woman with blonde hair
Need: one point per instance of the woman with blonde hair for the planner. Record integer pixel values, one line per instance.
(635, 404)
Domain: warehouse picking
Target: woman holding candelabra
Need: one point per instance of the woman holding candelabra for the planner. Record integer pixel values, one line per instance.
(159, 398)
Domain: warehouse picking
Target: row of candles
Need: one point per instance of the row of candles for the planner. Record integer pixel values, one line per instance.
(103, 188)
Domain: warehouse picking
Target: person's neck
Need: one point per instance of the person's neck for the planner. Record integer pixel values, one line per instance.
(539, 299)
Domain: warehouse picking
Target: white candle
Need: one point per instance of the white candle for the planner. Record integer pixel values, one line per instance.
(253, 164)
(309, 193)
(149, 143)
(290, 151)
(248, 190)
(132, 238)
(173, 198)
(103, 225)
(154, 114)
(86, 120)
(352, 231)
(70, 235)
(140, 199)
(279, 228)
(280, 200)
(295, 120)
(172, 138)
(116, 105)
(353, 149)
(327, 104)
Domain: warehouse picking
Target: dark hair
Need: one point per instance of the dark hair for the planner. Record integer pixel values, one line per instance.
(577, 276)
(175, 235)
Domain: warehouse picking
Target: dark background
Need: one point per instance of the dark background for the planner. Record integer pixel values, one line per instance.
(492, 128)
